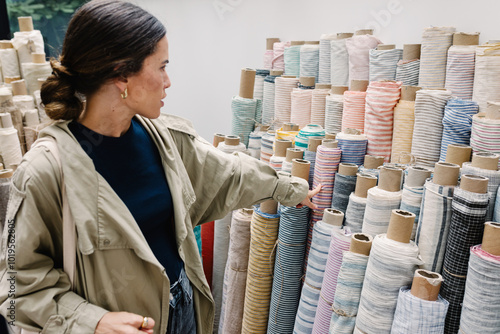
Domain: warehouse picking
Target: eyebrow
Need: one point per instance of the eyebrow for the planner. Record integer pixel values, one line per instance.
(166, 61)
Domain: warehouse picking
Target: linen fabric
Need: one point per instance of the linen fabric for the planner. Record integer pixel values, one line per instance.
(245, 113)
(353, 148)
(324, 73)
(358, 48)
(487, 75)
(318, 105)
(411, 200)
(339, 65)
(283, 99)
(379, 206)
(434, 51)
(301, 106)
(485, 134)
(383, 64)
(355, 213)
(342, 189)
(309, 61)
(407, 72)
(292, 60)
(402, 135)
(268, 100)
(460, 68)
(334, 105)
(353, 115)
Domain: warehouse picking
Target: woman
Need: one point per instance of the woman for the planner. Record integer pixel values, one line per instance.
(137, 183)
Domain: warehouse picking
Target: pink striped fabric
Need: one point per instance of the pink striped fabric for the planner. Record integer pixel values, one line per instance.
(353, 115)
(341, 241)
(460, 69)
(381, 98)
(268, 59)
(279, 55)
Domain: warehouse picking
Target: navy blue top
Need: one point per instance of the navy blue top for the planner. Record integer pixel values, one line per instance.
(132, 165)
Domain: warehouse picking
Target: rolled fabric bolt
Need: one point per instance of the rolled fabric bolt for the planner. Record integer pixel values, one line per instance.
(282, 99)
(269, 54)
(318, 102)
(300, 168)
(383, 63)
(258, 91)
(343, 187)
(244, 111)
(311, 130)
(413, 190)
(309, 61)
(491, 238)
(268, 100)
(353, 147)
(407, 71)
(334, 105)
(324, 71)
(485, 160)
(301, 106)
(486, 76)
(266, 150)
(255, 143)
(485, 134)
(460, 67)
(353, 115)
(7, 106)
(278, 56)
(358, 48)
(292, 60)
(404, 119)
(339, 64)
(493, 182)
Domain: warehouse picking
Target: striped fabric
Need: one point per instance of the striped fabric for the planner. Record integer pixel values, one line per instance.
(318, 106)
(334, 104)
(311, 157)
(316, 265)
(460, 70)
(278, 57)
(434, 52)
(310, 130)
(374, 172)
(264, 232)
(418, 316)
(286, 167)
(383, 64)
(353, 115)
(379, 205)
(381, 98)
(485, 134)
(325, 58)
(358, 48)
(339, 63)
(268, 100)
(496, 214)
(487, 75)
(408, 71)
(276, 162)
(283, 99)
(348, 293)
(343, 187)
(292, 60)
(258, 89)
(482, 293)
(255, 143)
(268, 59)
(309, 61)
(353, 148)
(288, 271)
(355, 213)
(301, 106)
(466, 230)
(245, 113)
(457, 123)
(286, 135)
(411, 200)
(266, 150)
(428, 128)
(341, 240)
(402, 135)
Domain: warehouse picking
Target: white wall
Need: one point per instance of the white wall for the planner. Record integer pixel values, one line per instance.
(211, 40)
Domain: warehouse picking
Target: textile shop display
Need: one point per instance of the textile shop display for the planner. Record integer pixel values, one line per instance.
(309, 61)
(353, 115)
(10, 63)
(283, 100)
(334, 105)
(460, 68)
(402, 135)
(268, 100)
(26, 43)
(301, 106)
(292, 60)
(266, 150)
(407, 72)
(485, 134)
(324, 73)
(353, 147)
(310, 130)
(258, 90)
(318, 102)
(245, 113)
(379, 206)
(339, 64)
(435, 44)
(342, 189)
(34, 71)
(355, 213)
(278, 57)
(358, 48)
(383, 64)
(487, 75)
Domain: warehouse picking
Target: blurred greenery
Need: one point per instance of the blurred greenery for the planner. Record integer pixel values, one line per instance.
(51, 17)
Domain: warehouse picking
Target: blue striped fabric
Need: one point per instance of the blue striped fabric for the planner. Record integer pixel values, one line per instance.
(245, 113)
(311, 157)
(343, 187)
(457, 123)
(309, 61)
(411, 200)
(355, 213)
(268, 100)
(379, 206)
(383, 64)
(353, 148)
(292, 60)
(408, 71)
(325, 57)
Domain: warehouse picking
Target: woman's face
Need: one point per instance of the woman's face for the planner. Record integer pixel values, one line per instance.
(146, 89)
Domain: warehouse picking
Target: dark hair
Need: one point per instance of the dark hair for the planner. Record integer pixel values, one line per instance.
(105, 39)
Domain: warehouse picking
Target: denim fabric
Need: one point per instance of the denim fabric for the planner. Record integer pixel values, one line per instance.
(181, 318)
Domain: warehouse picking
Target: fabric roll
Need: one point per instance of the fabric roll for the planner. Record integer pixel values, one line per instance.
(428, 128)
(379, 206)
(286, 167)
(434, 224)
(411, 200)
(435, 44)
(342, 189)
(276, 162)
(402, 135)
(278, 57)
(40, 106)
(466, 230)
(353, 148)
(341, 240)
(301, 106)
(487, 75)
(10, 147)
(311, 157)
(266, 149)
(258, 91)
(313, 282)
(318, 106)
(383, 64)
(381, 98)
(358, 48)
(268, 100)
(407, 72)
(10, 63)
(24, 102)
(339, 65)
(348, 292)
(230, 149)
(419, 316)
(493, 184)
(485, 134)
(268, 59)
(391, 265)
(496, 213)
(375, 172)
(26, 43)
(245, 113)
(292, 60)
(457, 123)
(309, 61)
(264, 233)
(286, 135)
(288, 271)
(32, 72)
(460, 68)
(482, 293)
(254, 144)
(235, 276)
(310, 130)
(355, 213)
(325, 58)
(17, 121)
(283, 99)
(334, 105)
(353, 115)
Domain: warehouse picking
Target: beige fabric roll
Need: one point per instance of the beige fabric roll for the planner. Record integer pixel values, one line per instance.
(404, 118)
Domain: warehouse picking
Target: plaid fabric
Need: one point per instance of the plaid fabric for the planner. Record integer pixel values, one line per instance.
(466, 230)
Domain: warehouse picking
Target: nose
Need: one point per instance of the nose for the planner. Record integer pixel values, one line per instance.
(166, 81)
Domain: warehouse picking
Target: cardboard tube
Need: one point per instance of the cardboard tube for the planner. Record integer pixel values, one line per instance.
(426, 285)
(38, 58)
(6, 173)
(409, 93)
(485, 160)
(25, 23)
(330, 135)
(307, 81)
(270, 42)
(313, 143)
(491, 238)
(270, 206)
(411, 51)
(363, 183)
(294, 153)
(290, 127)
(9, 80)
(338, 90)
(311, 42)
(6, 120)
(330, 143)
(344, 35)
(417, 176)
(350, 131)
(390, 178)
(232, 140)
(19, 87)
(288, 76)
(323, 86)
(386, 47)
(474, 183)
(461, 38)
(492, 110)
(218, 138)
(446, 174)
(361, 243)
(401, 226)
(373, 162)
(280, 147)
(300, 168)
(293, 43)
(333, 217)
(359, 85)
(276, 72)
(348, 169)
(247, 83)
(364, 32)
(458, 154)
(6, 45)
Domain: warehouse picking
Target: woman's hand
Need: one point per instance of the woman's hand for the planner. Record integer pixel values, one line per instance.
(123, 323)
(307, 200)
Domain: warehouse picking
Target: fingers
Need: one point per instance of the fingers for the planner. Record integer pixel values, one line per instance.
(315, 191)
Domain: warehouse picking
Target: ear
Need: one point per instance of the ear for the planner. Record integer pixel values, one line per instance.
(120, 83)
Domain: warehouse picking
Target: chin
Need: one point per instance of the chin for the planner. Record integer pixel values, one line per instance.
(150, 115)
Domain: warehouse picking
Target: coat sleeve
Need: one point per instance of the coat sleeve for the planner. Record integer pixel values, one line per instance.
(224, 182)
(34, 290)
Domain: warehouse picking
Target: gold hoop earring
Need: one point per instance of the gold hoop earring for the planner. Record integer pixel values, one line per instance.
(124, 94)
